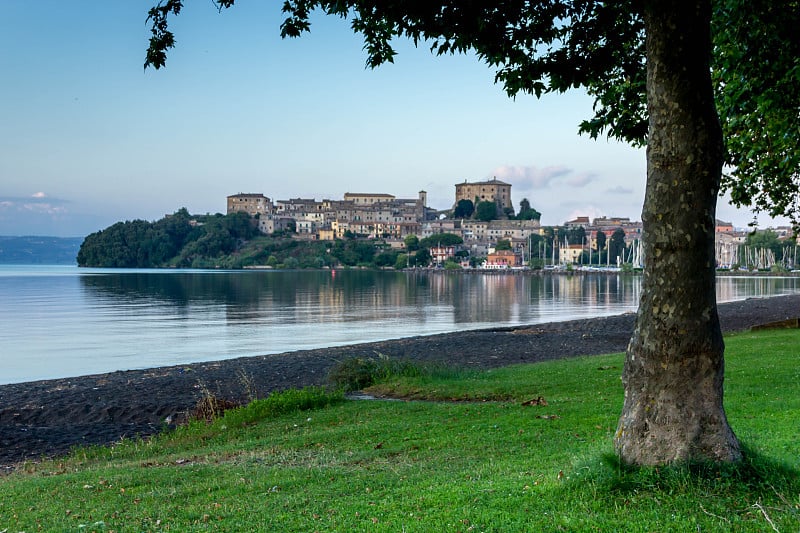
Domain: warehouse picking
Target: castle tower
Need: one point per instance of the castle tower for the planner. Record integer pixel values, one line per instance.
(492, 190)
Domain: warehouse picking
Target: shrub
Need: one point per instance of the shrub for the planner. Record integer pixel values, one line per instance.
(358, 373)
(353, 374)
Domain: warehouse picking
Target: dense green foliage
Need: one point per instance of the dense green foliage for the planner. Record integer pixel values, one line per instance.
(600, 236)
(767, 239)
(523, 448)
(411, 242)
(176, 240)
(486, 211)
(574, 235)
(764, 249)
(233, 241)
(616, 244)
(464, 209)
(757, 81)
(503, 244)
(526, 212)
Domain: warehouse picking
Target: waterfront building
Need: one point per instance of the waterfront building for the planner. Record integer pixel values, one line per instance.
(440, 254)
(500, 259)
(570, 253)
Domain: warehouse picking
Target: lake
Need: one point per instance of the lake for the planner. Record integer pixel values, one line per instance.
(61, 321)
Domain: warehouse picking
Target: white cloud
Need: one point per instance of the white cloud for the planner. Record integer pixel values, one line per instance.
(581, 180)
(586, 211)
(38, 195)
(530, 176)
(619, 189)
(34, 204)
(47, 216)
(44, 207)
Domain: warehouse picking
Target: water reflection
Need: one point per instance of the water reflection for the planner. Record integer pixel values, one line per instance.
(319, 297)
(381, 298)
(77, 321)
(731, 288)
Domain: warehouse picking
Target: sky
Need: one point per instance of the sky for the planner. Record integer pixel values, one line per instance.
(89, 138)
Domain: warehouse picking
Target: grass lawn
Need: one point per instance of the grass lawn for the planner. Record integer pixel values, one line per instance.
(307, 461)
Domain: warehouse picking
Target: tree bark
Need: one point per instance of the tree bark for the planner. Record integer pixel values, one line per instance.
(674, 366)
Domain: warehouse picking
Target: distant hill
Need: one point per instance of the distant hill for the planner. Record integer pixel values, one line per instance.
(39, 250)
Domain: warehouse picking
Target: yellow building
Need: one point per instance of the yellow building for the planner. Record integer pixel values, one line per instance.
(570, 253)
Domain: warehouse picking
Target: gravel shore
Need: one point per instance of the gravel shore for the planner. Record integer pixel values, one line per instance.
(47, 418)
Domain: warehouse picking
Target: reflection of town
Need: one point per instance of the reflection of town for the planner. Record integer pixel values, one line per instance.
(392, 300)
(730, 288)
(479, 298)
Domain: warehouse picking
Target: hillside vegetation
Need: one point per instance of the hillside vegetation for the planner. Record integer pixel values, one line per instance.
(233, 241)
(175, 240)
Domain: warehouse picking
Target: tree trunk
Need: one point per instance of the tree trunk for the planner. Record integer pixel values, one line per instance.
(674, 364)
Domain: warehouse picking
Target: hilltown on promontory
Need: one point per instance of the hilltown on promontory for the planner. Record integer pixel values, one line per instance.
(483, 217)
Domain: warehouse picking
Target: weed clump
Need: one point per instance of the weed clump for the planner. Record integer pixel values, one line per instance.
(211, 406)
(357, 373)
(353, 374)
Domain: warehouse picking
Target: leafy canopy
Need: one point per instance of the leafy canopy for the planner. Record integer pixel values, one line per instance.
(526, 212)
(486, 211)
(464, 209)
(757, 81)
(503, 244)
(545, 46)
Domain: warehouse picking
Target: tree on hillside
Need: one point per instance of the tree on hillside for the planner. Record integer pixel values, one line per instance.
(526, 212)
(411, 242)
(486, 211)
(464, 209)
(648, 66)
(503, 244)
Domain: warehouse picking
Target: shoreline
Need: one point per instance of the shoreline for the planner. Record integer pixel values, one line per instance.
(47, 418)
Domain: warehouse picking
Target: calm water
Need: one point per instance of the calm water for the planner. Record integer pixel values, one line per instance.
(65, 321)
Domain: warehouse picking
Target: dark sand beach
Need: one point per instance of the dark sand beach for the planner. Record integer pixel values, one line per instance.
(47, 418)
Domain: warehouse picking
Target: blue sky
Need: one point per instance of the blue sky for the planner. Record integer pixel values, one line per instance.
(89, 138)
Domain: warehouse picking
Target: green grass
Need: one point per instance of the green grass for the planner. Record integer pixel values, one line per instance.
(306, 461)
